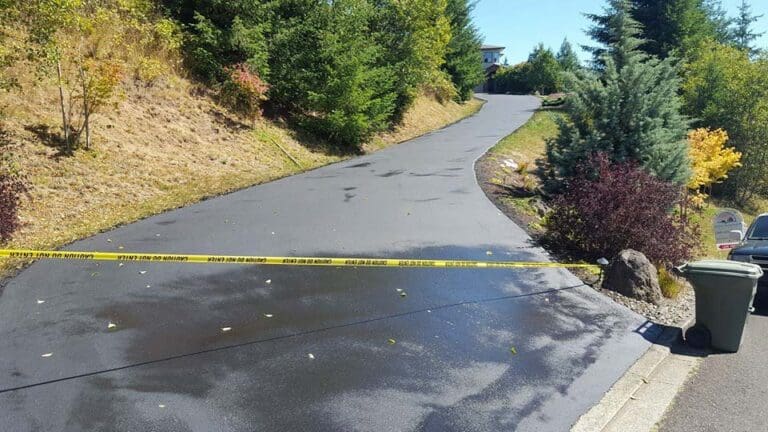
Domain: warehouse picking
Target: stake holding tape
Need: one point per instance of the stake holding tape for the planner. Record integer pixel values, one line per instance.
(285, 261)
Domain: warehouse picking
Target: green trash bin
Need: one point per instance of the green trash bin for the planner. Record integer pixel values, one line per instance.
(724, 294)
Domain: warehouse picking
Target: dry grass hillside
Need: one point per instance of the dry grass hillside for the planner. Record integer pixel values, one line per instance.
(162, 147)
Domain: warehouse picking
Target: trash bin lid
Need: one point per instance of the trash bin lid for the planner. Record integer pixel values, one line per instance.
(723, 268)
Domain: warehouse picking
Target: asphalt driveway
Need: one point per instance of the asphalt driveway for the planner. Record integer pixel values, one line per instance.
(311, 349)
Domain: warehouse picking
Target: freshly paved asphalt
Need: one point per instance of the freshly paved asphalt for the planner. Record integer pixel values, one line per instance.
(729, 392)
(170, 367)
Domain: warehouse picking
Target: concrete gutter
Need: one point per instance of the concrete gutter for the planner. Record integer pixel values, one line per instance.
(640, 398)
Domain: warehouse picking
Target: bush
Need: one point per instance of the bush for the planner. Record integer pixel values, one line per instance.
(149, 71)
(12, 186)
(513, 79)
(608, 207)
(244, 91)
(553, 102)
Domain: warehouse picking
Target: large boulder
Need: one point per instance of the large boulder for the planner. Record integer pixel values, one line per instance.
(632, 275)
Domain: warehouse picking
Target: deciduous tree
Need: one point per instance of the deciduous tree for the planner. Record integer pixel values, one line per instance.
(711, 161)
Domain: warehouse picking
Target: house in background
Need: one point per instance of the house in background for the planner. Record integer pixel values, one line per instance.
(491, 64)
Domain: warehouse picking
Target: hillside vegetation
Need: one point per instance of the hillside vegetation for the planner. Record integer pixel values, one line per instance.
(130, 127)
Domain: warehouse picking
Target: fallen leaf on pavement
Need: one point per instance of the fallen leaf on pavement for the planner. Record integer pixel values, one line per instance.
(513, 350)
(391, 341)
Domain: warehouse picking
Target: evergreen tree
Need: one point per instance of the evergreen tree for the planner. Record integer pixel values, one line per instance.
(616, 25)
(414, 35)
(569, 61)
(329, 72)
(629, 110)
(544, 73)
(673, 26)
(463, 59)
(743, 34)
(719, 19)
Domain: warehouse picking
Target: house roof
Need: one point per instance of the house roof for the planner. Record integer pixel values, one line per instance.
(491, 47)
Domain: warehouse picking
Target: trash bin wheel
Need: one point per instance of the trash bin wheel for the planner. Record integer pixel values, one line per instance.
(698, 337)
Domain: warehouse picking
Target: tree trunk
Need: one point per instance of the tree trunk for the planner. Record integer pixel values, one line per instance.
(86, 110)
(64, 121)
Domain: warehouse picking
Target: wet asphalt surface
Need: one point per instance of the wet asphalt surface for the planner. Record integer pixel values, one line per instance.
(729, 392)
(168, 366)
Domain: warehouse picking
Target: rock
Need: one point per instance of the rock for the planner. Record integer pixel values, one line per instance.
(632, 275)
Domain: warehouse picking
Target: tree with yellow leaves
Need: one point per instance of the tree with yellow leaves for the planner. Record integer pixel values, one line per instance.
(711, 161)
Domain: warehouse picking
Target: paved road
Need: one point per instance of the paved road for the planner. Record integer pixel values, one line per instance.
(168, 366)
(729, 393)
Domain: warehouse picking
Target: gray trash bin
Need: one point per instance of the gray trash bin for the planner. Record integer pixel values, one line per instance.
(724, 294)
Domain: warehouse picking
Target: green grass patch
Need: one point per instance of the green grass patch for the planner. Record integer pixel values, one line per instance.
(530, 141)
(670, 286)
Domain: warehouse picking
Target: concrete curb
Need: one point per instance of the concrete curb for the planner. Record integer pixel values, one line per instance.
(640, 398)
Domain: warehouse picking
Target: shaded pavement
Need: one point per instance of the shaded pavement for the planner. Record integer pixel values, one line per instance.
(729, 392)
(168, 365)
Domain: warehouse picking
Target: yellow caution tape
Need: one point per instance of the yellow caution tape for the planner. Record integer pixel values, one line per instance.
(285, 261)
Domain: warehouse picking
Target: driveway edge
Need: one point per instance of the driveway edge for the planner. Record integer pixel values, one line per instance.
(641, 397)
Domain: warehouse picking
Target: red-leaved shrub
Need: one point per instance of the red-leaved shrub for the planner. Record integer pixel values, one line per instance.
(11, 188)
(245, 90)
(609, 207)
